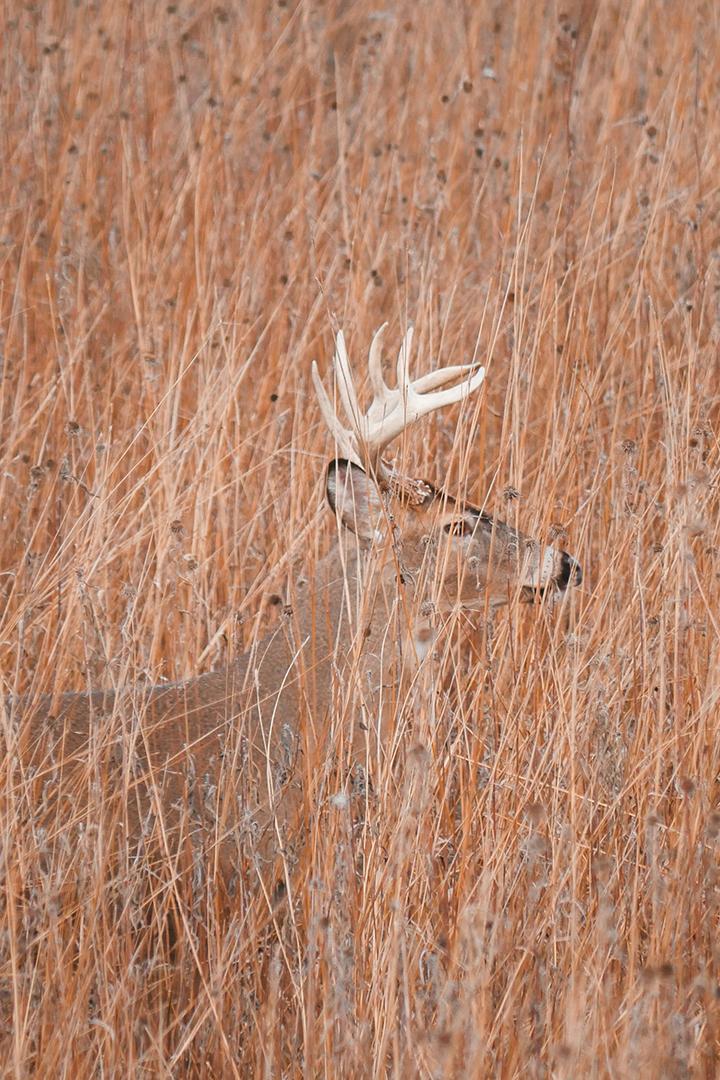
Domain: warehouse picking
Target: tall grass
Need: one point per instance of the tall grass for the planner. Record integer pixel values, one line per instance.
(192, 193)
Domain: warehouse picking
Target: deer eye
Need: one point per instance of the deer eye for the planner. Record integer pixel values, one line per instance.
(462, 527)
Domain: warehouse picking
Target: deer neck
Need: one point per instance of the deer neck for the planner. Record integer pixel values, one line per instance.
(343, 622)
(357, 594)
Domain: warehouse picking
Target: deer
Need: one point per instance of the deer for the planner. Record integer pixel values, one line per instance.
(228, 756)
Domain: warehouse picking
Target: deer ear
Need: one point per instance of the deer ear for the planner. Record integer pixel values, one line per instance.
(354, 497)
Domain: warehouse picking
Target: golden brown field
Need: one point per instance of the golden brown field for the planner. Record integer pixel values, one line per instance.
(191, 193)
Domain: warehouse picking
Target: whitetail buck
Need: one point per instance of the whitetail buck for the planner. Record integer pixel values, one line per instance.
(229, 757)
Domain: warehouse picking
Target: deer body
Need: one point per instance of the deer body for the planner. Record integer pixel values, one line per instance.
(233, 756)
(171, 746)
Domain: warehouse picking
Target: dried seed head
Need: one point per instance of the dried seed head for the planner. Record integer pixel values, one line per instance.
(713, 825)
(686, 786)
(602, 867)
(419, 756)
(535, 813)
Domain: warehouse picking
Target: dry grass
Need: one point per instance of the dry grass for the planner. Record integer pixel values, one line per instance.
(188, 192)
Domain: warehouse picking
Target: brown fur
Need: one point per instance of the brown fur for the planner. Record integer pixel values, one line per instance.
(160, 755)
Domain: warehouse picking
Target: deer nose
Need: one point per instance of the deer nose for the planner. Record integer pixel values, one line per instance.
(570, 571)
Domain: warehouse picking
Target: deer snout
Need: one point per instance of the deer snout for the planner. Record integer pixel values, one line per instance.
(570, 571)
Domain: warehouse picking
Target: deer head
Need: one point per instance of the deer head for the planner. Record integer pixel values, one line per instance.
(449, 550)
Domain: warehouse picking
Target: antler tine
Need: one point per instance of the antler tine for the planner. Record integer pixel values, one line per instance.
(452, 394)
(435, 379)
(346, 386)
(342, 436)
(403, 380)
(379, 389)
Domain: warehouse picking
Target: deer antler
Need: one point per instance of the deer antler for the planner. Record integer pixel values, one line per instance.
(391, 411)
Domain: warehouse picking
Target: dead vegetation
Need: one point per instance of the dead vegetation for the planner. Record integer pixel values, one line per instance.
(190, 193)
